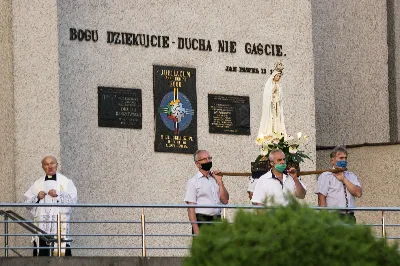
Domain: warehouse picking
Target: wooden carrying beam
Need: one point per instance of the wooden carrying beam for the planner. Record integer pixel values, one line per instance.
(301, 173)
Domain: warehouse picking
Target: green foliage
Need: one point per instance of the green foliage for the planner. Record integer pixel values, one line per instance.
(289, 148)
(259, 157)
(292, 235)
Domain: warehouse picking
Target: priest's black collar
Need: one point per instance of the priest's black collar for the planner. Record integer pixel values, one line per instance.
(53, 177)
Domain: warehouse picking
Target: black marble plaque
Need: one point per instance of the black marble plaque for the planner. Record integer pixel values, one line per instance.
(120, 107)
(229, 114)
(175, 109)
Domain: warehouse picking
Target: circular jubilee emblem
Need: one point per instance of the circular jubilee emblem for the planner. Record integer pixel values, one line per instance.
(176, 112)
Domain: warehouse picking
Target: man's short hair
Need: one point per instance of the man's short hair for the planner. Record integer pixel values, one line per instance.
(338, 149)
(49, 156)
(272, 153)
(196, 154)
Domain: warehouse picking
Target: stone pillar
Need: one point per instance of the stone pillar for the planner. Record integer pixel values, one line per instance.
(7, 109)
(394, 66)
(36, 88)
(351, 70)
(6, 104)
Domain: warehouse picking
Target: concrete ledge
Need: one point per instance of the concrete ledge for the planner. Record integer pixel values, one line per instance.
(92, 261)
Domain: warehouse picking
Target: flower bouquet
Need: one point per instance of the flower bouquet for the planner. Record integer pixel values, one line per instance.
(289, 146)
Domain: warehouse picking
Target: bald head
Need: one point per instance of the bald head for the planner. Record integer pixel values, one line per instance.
(49, 165)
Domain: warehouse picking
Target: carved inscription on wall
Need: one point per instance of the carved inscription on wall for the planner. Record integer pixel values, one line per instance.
(229, 114)
(120, 107)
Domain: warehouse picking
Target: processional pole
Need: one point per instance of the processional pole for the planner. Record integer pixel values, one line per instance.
(301, 173)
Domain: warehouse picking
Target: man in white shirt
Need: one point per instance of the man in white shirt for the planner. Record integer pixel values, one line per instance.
(205, 187)
(274, 187)
(339, 189)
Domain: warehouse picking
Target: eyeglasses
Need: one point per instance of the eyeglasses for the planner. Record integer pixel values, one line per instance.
(209, 158)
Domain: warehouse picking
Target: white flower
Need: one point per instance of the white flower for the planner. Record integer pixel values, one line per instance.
(299, 135)
(264, 151)
(293, 149)
(276, 141)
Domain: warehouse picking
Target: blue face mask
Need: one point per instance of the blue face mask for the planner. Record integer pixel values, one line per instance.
(341, 164)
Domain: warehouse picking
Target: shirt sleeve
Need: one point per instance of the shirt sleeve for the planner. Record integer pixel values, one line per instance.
(353, 179)
(260, 193)
(302, 184)
(252, 184)
(31, 196)
(190, 195)
(322, 184)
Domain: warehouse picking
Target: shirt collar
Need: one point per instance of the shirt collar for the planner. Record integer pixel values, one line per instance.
(271, 175)
(52, 178)
(283, 178)
(200, 175)
(345, 172)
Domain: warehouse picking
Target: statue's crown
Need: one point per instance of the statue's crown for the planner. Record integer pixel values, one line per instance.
(279, 67)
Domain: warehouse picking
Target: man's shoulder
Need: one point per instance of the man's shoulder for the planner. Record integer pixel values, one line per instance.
(39, 179)
(267, 179)
(38, 183)
(195, 177)
(324, 179)
(289, 177)
(266, 176)
(62, 177)
(351, 175)
(325, 175)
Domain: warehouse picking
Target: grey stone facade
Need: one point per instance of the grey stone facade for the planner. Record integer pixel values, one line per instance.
(335, 83)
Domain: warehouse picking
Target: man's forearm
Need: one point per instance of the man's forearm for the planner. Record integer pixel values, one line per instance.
(193, 220)
(32, 199)
(300, 191)
(224, 195)
(321, 200)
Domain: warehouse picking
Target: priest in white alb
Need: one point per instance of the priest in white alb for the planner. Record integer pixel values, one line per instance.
(54, 188)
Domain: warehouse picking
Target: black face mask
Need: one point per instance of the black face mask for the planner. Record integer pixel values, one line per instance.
(206, 166)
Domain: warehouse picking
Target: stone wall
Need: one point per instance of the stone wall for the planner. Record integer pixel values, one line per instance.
(351, 73)
(113, 165)
(7, 121)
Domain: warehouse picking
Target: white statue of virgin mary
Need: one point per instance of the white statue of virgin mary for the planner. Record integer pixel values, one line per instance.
(272, 118)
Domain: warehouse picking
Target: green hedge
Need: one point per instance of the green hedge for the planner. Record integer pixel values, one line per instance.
(292, 235)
